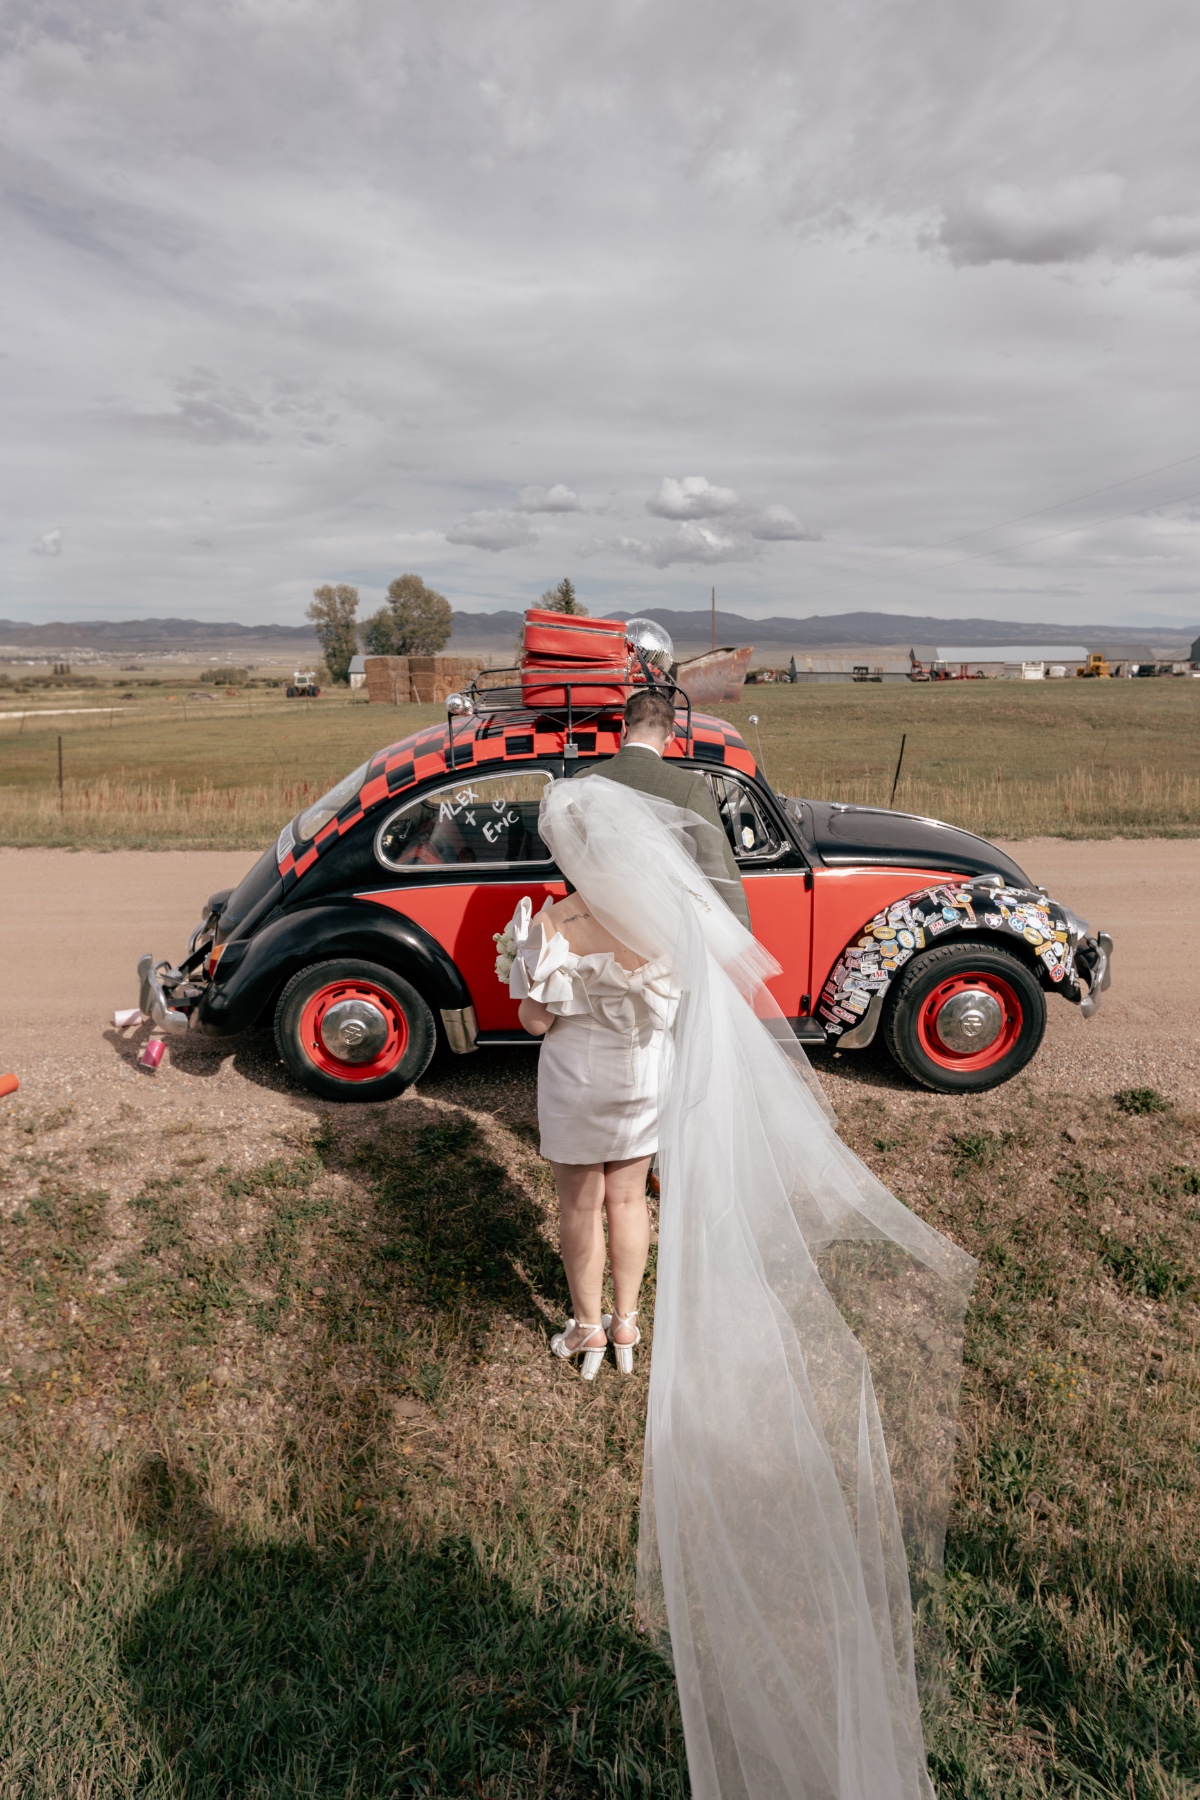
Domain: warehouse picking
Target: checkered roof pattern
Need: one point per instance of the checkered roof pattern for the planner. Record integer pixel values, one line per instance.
(479, 743)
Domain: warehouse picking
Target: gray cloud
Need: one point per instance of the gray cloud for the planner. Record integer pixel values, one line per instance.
(1061, 223)
(692, 498)
(699, 545)
(1170, 235)
(779, 525)
(556, 499)
(492, 529)
(49, 544)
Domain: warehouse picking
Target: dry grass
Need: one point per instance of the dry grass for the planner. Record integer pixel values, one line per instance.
(294, 1501)
(1006, 759)
(113, 813)
(1080, 802)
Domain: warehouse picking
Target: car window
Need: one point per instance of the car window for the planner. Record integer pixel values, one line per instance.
(492, 820)
(749, 830)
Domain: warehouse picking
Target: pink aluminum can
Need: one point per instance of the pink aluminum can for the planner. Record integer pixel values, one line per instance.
(152, 1055)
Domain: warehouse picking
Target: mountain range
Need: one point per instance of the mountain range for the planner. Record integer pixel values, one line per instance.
(829, 631)
(500, 630)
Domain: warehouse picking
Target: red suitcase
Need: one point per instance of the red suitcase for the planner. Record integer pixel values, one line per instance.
(560, 638)
(544, 684)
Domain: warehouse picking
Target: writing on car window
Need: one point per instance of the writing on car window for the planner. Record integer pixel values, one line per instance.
(490, 821)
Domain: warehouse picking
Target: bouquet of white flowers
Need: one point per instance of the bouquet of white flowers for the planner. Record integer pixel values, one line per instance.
(506, 951)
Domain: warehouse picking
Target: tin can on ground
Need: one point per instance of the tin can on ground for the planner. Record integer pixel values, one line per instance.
(152, 1055)
(8, 1084)
(130, 1015)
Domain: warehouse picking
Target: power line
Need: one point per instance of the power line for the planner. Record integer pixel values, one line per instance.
(1066, 531)
(962, 537)
(880, 571)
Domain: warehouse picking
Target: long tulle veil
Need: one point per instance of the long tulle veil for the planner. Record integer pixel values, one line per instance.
(806, 1362)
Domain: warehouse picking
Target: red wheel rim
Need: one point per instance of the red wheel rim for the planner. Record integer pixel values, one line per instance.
(319, 1053)
(967, 1060)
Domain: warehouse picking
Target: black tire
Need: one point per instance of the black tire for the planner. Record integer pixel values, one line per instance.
(308, 997)
(914, 1005)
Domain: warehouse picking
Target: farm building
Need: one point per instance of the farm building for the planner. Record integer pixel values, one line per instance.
(1013, 662)
(823, 667)
(1029, 662)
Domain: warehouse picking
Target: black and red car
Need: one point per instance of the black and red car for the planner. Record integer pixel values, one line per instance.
(365, 934)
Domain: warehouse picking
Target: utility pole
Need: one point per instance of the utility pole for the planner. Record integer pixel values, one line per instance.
(714, 618)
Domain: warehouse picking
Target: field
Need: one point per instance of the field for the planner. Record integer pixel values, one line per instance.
(294, 1503)
(1011, 760)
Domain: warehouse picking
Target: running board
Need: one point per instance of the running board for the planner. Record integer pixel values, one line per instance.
(808, 1031)
(805, 1031)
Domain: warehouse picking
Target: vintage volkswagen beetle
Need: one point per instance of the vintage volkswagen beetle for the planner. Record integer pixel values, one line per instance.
(365, 933)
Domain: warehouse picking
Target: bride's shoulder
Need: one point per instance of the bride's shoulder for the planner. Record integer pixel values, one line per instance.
(556, 913)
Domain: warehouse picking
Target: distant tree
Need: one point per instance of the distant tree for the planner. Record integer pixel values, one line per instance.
(563, 599)
(332, 613)
(416, 621)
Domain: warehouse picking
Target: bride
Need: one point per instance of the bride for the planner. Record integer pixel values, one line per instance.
(807, 1326)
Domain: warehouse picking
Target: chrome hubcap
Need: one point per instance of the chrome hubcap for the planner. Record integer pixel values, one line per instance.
(970, 1021)
(354, 1031)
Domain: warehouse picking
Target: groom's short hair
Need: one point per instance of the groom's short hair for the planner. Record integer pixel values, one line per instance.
(649, 707)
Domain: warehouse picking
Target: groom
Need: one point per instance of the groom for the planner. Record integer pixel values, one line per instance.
(649, 728)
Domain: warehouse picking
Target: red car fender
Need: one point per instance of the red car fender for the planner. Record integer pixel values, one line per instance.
(905, 922)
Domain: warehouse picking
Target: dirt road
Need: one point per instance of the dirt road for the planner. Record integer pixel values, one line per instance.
(74, 924)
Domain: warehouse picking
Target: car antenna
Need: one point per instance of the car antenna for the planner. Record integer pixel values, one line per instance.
(761, 759)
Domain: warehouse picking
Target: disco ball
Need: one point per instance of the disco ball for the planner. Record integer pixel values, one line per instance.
(652, 641)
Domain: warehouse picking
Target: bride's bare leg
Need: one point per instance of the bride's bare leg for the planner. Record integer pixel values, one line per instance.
(581, 1198)
(628, 1236)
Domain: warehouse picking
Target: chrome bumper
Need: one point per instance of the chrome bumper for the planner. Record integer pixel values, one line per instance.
(153, 1001)
(461, 1028)
(1100, 973)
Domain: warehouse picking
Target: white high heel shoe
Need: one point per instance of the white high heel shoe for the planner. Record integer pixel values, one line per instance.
(622, 1352)
(592, 1355)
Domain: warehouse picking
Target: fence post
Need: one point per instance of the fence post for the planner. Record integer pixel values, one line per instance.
(899, 764)
(60, 778)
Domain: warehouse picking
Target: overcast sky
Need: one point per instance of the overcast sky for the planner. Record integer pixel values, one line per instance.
(804, 298)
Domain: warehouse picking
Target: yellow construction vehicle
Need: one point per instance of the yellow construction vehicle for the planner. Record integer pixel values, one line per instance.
(1095, 667)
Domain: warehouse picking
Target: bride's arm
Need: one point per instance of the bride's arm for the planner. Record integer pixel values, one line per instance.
(535, 1018)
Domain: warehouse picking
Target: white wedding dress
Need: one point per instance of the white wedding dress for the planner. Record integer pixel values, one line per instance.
(600, 1067)
(807, 1345)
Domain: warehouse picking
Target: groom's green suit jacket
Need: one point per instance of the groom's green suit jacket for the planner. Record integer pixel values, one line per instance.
(639, 768)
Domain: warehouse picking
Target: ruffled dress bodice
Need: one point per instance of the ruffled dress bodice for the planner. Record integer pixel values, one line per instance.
(601, 1063)
(546, 969)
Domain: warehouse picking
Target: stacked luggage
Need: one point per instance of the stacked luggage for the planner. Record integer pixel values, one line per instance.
(592, 655)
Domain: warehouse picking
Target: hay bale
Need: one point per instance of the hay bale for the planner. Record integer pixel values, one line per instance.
(388, 680)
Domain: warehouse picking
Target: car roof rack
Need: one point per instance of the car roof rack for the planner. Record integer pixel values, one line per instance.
(500, 693)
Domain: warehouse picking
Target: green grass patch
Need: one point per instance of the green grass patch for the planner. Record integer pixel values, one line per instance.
(1142, 1100)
